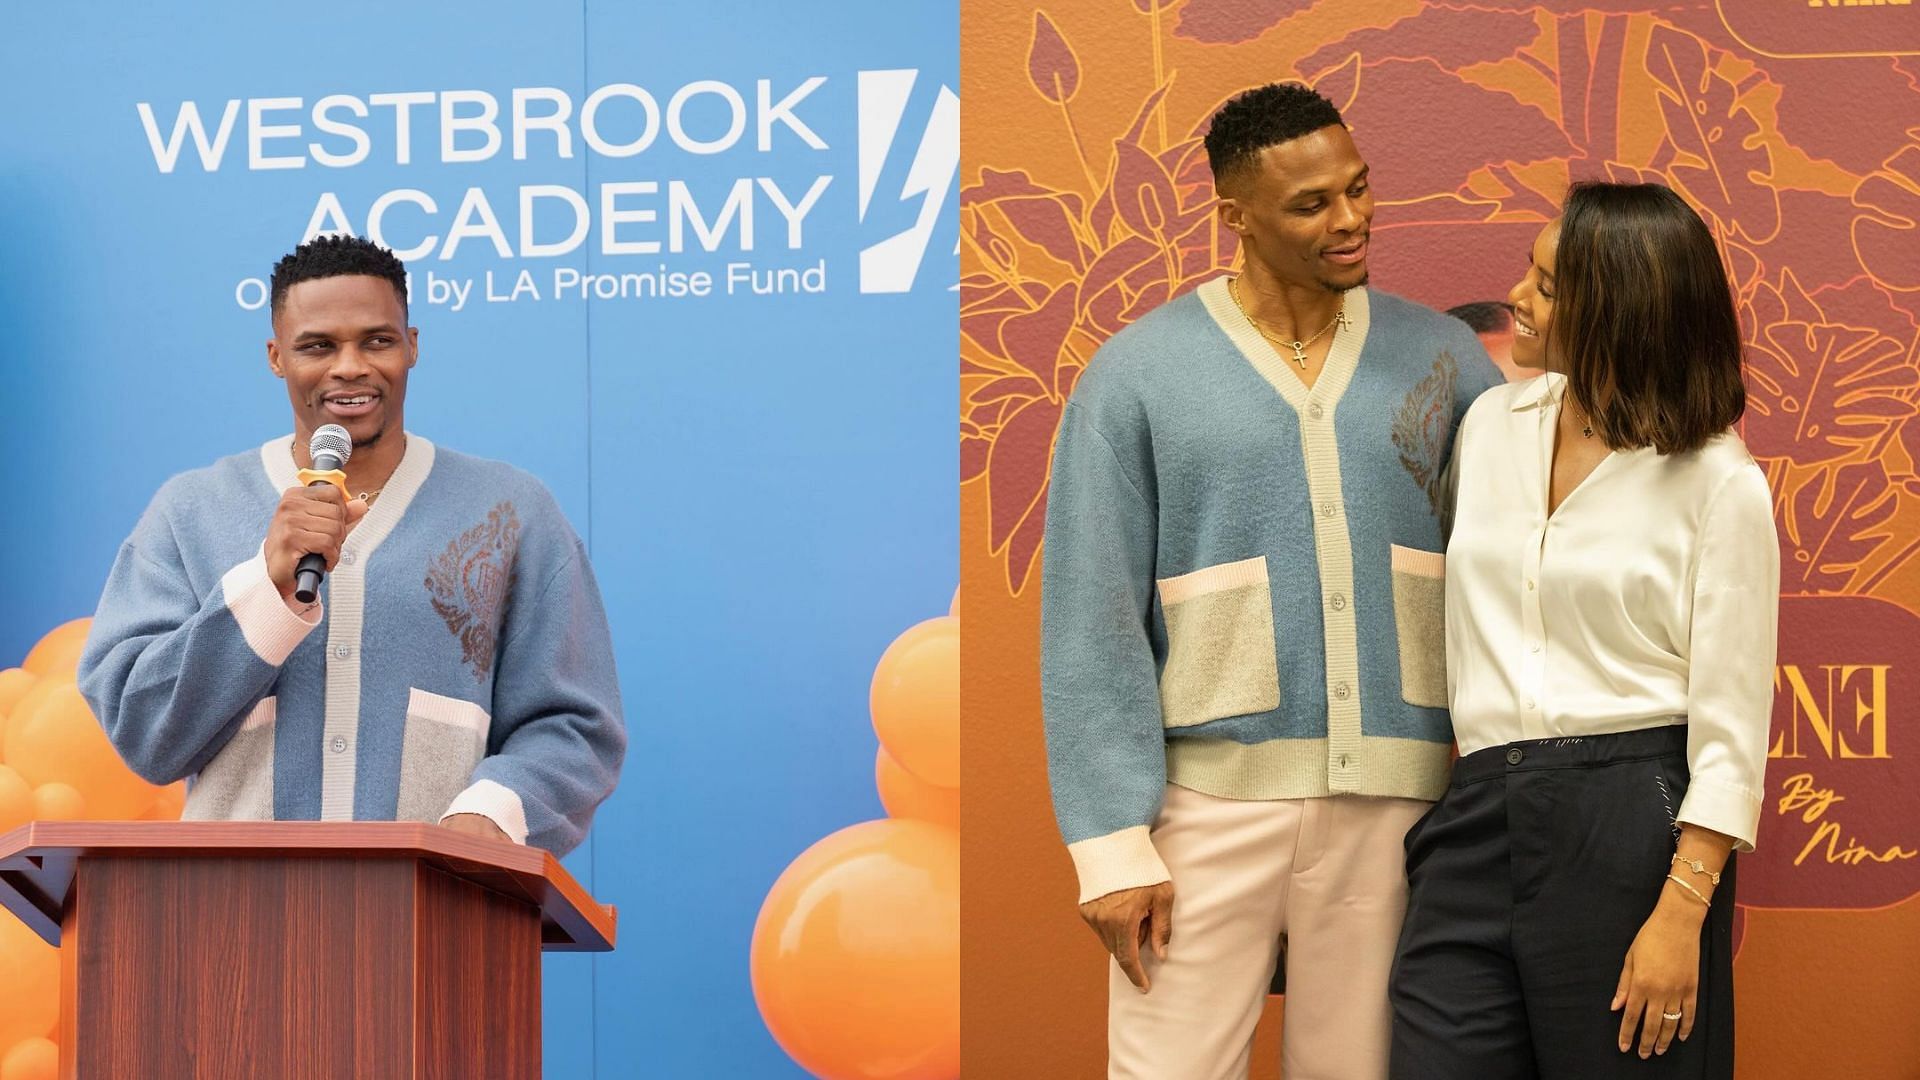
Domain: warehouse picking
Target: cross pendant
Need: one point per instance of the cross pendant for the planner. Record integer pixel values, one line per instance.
(1299, 353)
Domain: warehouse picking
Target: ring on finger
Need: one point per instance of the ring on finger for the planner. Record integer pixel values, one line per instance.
(1672, 1017)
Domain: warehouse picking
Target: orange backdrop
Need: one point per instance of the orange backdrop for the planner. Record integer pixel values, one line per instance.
(1793, 126)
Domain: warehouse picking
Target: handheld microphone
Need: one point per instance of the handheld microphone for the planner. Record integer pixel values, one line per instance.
(329, 448)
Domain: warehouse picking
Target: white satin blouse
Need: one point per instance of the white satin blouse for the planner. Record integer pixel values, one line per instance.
(1650, 596)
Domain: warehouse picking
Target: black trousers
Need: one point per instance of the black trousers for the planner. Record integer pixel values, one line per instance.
(1527, 882)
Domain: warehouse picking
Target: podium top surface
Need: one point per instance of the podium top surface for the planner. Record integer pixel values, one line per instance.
(38, 861)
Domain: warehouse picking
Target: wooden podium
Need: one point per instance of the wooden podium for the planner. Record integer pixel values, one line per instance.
(249, 950)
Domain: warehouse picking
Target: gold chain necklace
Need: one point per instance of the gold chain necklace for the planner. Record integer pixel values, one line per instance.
(1299, 347)
(1586, 425)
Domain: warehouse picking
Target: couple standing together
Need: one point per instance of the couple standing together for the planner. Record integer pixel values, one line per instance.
(1301, 541)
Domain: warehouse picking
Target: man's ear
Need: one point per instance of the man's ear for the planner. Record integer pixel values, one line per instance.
(1233, 215)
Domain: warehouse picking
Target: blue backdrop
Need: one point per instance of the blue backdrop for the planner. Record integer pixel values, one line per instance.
(765, 479)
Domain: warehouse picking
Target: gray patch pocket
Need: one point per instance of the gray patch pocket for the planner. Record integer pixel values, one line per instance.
(445, 739)
(237, 785)
(1220, 644)
(1420, 621)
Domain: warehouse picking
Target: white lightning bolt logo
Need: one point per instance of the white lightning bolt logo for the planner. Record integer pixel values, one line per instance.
(891, 265)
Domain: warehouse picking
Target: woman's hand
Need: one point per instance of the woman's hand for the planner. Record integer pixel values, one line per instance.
(1660, 978)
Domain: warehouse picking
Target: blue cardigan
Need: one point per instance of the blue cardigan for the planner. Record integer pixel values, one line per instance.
(459, 661)
(1243, 583)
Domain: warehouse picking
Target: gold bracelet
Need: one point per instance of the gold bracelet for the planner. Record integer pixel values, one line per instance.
(1698, 867)
(1696, 892)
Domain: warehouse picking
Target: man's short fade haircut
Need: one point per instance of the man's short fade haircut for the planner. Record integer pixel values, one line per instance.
(1262, 117)
(336, 256)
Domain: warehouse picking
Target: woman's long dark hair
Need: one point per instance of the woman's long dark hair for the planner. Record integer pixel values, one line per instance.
(1644, 318)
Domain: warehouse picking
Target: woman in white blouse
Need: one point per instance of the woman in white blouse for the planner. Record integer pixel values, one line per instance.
(1611, 600)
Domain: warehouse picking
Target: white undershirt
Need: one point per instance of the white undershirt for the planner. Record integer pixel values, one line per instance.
(1649, 597)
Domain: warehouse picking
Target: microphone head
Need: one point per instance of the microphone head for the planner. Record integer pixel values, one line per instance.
(332, 441)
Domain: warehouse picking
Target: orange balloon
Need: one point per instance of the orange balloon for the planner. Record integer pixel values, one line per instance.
(31, 1059)
(13, 683)
(58, 802)
(856, 954)
(907, 796)
(916, 701)
(16, 803)
(42, 691)
(30, 994)
(60, 741)
(59, 652)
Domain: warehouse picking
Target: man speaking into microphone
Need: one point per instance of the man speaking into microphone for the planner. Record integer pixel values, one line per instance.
(455, 666)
